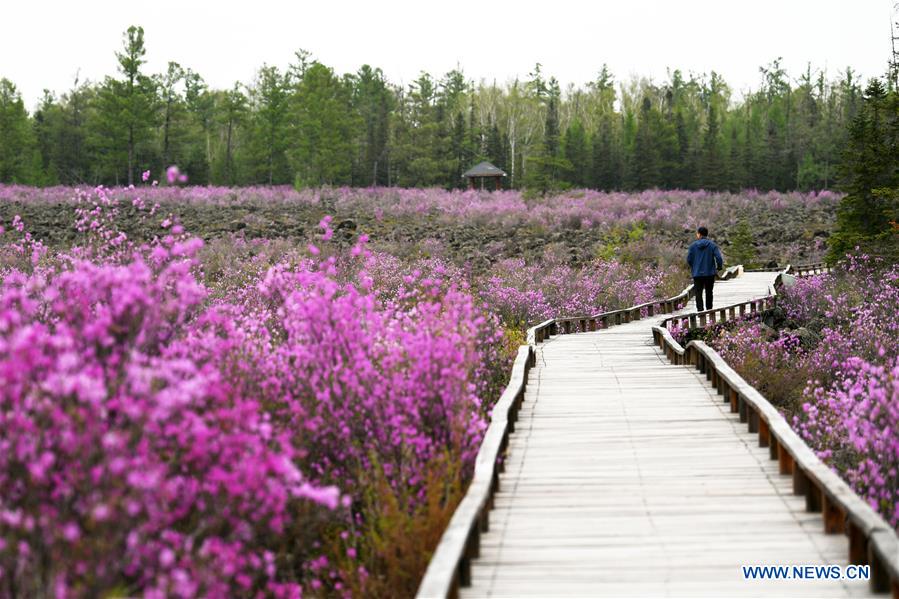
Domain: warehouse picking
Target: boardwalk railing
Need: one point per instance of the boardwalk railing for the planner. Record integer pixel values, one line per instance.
(726, 313)
(742, 309)
(811, 268)
(450, 566)
(566, 325)
(816, 268)
(872, 540)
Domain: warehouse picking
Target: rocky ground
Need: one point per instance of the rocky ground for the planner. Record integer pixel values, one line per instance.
(779, 236)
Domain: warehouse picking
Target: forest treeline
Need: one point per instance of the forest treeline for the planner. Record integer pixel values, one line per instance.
(307, 125)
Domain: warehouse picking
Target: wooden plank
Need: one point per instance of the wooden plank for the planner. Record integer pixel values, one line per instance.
(626, 475)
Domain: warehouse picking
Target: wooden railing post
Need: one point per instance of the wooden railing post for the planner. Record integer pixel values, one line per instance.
(773, 447)
(833, 516)
(800, 481)
(764, 435)
(814, 498)
(858, 544)
(784, 461)
(753, 420)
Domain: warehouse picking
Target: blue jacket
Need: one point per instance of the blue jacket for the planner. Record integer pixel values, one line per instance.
(704, 258)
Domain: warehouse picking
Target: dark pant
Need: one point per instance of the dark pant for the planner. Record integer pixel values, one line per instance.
(703, 284)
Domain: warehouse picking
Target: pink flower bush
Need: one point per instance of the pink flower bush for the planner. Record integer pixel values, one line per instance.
(657, 209)
(525, 294)
(855, 423)
(157, 438)
(123, 461)
(173, 175)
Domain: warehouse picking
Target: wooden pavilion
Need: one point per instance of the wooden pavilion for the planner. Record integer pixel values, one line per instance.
(483, 171)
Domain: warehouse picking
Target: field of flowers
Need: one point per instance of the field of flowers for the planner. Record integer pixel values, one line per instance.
(252, 415)
(286, 406)
(465, 226)
(828, 357)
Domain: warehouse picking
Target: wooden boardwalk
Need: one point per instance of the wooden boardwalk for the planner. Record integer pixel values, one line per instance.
(627, 476)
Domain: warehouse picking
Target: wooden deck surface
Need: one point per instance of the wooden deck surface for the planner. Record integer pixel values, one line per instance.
(628, 476)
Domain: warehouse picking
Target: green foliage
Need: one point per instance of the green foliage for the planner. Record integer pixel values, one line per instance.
(393, 542)
(712, 161)
(618, 238)
(577, 154)
(645, 171)
(323, 122)
(373, 101)
(232, 114)
(742, 247)
(866, 215)
(125, 113)
(269, 133)
(17, 144)
(311, 125)
(420, 135)
(549, 170)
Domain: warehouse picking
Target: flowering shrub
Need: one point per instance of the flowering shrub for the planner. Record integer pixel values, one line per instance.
(122, 462)
(525, 294)
(159, 439)
(675, 214)
(854, 425)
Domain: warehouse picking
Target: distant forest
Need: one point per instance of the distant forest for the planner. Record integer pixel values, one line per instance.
(309, 126)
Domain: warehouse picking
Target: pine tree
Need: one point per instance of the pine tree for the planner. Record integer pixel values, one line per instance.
(498, 148)
(606, 161)
(135, 95)
(324, 127)
(231, 114)
(736, 176)
(200, 105)
(17, 147)
(646, 158)
(269, 99)
(120, 129)
(420, 135)
(870, 174)
(549, 164)
(712, 165)
(577, 154)
(684, 163)
(742, 246)
(172, 109)
(373, 102)
(47, 126)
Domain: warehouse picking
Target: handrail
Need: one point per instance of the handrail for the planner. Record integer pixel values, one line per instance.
(540, 332)
(815, 268)
(450, 566)
(730, 312)
(872, 540)
(741, 309)
(801, 270)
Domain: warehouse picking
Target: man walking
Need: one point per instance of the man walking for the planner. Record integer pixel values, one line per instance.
(705, 261)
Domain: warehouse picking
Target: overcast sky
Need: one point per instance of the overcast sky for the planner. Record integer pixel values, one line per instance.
(44, 43)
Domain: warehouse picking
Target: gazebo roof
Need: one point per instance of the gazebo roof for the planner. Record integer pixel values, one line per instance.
(484, 169)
